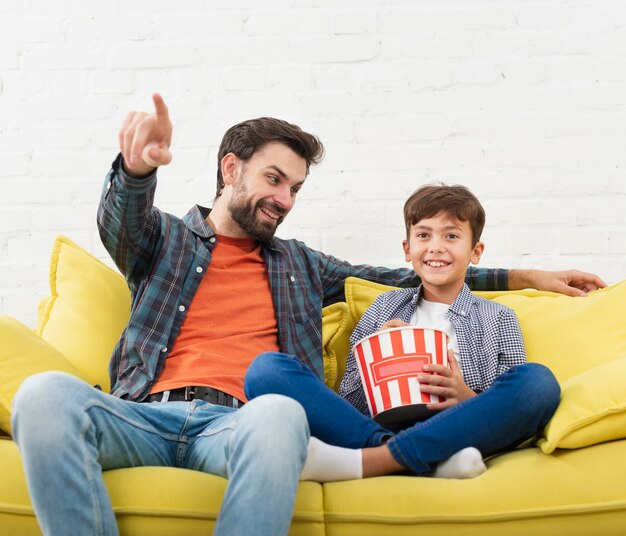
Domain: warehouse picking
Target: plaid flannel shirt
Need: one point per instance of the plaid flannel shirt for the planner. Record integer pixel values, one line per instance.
(489, 336)
(164, 259)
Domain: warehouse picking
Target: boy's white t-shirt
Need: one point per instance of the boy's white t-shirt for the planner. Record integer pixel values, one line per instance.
(433, 315)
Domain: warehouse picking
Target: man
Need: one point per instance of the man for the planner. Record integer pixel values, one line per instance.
(210, 292)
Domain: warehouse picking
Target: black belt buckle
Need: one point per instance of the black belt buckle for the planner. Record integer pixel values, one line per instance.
(190, 393)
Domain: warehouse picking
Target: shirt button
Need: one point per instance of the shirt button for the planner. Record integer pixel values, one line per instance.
(212, 239)
(164, 349)
(199, 269)
(181, 308)
(292, 278)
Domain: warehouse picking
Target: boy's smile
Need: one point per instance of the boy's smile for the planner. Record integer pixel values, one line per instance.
(440, 249)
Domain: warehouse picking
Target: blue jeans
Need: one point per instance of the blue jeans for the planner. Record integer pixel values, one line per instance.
(69, 432)
(517, 405)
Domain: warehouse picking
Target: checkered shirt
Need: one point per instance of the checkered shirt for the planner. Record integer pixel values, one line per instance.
(489, 336)
(164, 259)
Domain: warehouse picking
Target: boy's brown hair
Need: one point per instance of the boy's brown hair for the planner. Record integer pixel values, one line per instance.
(455, 201)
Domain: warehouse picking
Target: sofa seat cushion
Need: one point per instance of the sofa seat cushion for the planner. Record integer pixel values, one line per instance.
(574, 492)
(150, 501)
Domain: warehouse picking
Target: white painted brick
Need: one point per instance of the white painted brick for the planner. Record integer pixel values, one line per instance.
(62, 56)
(30, 29)
(289, 77)
(9, 57)
(337, 77)
(116, 82)
(521, 101)
(577, 241)
(106, 27)
(354, 22)
(13, 164)
(301, 22)
(244, 78)
(145, 56)
(337, 49)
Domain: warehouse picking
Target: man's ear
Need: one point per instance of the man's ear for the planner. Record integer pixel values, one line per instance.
(477, 252)
(407, 250)
(230, 167)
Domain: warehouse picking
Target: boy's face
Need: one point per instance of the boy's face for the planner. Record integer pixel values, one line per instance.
(440, 249)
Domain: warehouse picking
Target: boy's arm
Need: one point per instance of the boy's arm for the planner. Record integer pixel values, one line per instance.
(512, 349)
(351, 387)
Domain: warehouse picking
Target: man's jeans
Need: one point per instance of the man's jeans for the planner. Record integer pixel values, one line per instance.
(516, 406)
(68, 432)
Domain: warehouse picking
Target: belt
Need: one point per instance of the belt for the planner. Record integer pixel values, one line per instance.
(196, 393)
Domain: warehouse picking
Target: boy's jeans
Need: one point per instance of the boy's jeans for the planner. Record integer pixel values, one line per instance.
(517, 405)
(68, 432)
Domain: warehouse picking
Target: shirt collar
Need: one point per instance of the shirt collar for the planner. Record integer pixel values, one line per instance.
(460, 306)
(195, 219)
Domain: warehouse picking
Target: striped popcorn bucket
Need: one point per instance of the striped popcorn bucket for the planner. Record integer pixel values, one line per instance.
(389, 362)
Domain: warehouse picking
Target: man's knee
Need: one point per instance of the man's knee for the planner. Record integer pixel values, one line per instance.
(42, 400)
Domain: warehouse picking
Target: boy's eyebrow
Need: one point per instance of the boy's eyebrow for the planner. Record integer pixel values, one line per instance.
(446, 228)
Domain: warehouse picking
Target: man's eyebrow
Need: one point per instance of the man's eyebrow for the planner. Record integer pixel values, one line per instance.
(282, 174)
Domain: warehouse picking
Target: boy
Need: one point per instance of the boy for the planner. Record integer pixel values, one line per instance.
(494, 399)
(443, 230)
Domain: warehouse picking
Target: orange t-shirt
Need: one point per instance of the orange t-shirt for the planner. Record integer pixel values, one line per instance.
(229, 322)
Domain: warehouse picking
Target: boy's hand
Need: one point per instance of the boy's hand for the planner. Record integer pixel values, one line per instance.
(393, 323)
(145, 139)
(446, 382)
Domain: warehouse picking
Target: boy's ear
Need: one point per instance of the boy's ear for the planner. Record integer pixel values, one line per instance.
(477, 252)
(230, 165)
(407, 250)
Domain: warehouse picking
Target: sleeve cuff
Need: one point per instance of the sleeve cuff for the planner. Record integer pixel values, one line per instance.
(133, 183)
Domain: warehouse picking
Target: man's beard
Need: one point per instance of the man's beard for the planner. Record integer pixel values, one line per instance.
(245, 214)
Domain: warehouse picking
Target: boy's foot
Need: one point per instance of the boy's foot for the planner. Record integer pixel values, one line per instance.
(467, 463)
(328, 463)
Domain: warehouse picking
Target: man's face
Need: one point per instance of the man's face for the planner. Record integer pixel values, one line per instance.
(265, 190)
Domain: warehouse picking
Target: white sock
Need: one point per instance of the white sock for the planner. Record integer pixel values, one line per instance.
(467, 463)
(327, 463)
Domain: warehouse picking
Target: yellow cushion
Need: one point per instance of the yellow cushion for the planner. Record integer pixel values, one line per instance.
(570, 335)
(86, 312)
(22, 353)
(592, 409)
(336, 328)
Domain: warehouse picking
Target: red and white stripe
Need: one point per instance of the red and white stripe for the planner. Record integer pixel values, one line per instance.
(389, 362)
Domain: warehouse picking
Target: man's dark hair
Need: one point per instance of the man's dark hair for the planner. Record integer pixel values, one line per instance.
(249, 136)
(455, 201)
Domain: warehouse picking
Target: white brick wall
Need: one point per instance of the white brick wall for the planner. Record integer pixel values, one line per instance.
(524, 101)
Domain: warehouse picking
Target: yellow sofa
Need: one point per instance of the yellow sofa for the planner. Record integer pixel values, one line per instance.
(572, 481)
